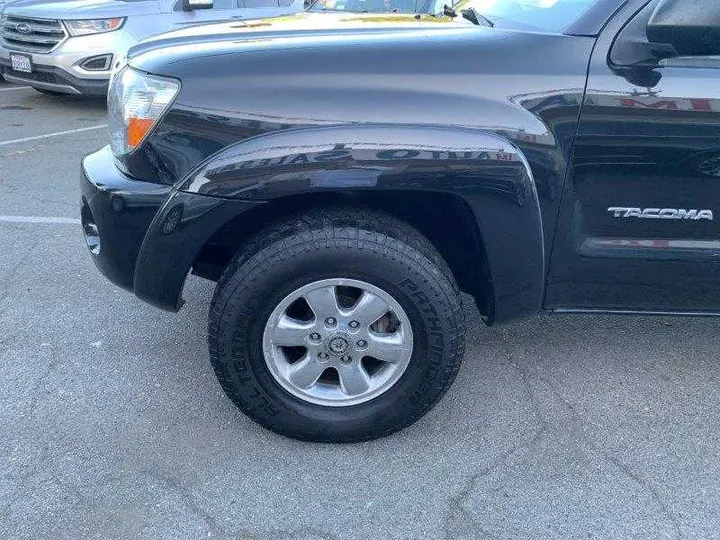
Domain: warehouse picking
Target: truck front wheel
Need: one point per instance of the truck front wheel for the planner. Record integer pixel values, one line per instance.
(337, 326)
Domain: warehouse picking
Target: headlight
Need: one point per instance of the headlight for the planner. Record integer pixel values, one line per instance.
(93, 26)
(136, 101)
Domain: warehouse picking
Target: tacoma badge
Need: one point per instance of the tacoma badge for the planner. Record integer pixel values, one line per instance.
(661, 213)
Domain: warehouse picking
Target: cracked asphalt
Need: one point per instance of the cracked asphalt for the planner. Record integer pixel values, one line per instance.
(112, 424)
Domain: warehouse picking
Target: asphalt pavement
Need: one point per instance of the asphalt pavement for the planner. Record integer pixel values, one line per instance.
(112, 424)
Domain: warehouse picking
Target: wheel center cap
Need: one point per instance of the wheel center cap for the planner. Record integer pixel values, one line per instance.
(338, 345)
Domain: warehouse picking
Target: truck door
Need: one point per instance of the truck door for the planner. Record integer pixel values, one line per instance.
(639, 227)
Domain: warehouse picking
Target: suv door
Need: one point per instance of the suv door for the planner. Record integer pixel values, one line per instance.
(222, 10)
(639, 227)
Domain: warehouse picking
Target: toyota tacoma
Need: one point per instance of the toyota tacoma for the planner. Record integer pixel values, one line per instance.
(344, 177)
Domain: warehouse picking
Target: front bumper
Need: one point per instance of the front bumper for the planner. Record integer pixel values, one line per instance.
(144, 236)
(116, 214)
(61, 70)
(54, 79)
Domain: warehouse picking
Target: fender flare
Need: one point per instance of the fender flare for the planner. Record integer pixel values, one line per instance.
(484, 169)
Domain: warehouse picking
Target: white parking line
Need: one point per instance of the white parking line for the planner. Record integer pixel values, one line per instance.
(15, 88)
(39, 219)
(56, 134)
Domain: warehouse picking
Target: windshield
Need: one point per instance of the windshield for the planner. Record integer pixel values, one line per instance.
(542, 15)
(534, 15)
(376, 6)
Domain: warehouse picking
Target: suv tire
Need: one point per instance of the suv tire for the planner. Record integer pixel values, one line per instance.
(366, 258)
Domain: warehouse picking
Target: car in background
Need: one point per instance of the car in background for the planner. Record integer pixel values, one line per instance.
(71, 47)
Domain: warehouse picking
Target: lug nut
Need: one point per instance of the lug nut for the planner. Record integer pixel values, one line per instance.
(323, 355)
(354, 324)
(362, 344)
(315, 336)
(345, 359)
(330, 321)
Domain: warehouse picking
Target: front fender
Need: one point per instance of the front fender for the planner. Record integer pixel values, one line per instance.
(488, 172)
(178, 232)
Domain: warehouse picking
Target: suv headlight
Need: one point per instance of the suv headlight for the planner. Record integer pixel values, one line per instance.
(136, 101)
(86, 27)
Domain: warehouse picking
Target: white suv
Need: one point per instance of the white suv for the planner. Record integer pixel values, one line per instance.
(71, 46)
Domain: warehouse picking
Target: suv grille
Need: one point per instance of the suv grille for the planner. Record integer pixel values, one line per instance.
(29, 34)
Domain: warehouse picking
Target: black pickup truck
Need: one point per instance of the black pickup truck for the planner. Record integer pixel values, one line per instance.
(343, 177)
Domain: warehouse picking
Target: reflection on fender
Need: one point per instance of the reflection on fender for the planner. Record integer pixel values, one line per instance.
(394, 154)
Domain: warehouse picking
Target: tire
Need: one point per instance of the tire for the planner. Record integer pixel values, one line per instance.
(377, 255)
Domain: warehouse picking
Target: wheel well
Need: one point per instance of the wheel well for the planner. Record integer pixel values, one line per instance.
(445, 219)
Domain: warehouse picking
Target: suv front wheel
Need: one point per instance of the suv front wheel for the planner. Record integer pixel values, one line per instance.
(337, 326)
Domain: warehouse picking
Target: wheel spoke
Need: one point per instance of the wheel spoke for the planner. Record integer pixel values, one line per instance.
(290, 332)
(306, 371)
(323, 302)
(353, 379)
(369, 308)
(388, 348)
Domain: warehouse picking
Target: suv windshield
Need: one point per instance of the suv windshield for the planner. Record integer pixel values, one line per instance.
(537, 15)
